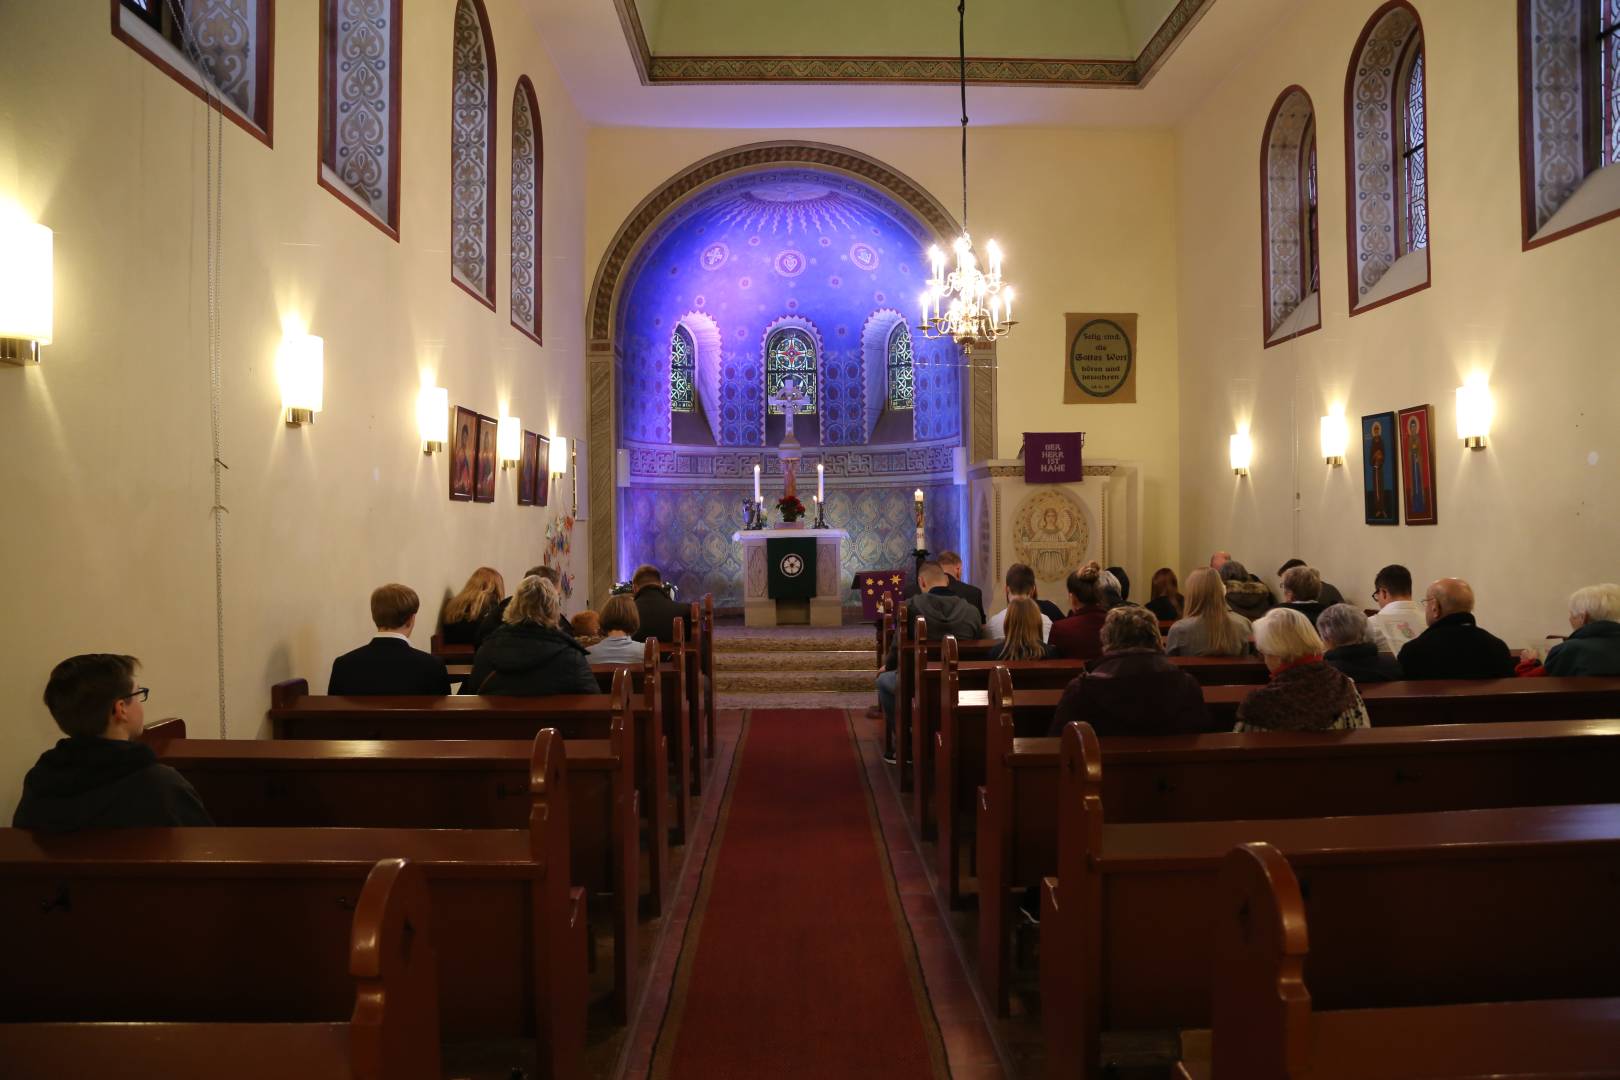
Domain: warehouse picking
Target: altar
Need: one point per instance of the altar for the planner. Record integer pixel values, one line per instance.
(792, 584)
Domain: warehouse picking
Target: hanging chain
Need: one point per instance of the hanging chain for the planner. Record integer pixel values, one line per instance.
(961, 72)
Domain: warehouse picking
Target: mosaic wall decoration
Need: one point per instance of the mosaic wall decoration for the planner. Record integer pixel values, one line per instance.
(937, 373)
(472, 125)
(526, 191)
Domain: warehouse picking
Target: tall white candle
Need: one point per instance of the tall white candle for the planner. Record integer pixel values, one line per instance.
(821, 482)
(756, 481)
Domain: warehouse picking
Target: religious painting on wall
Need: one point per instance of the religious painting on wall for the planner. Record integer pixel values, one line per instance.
(1379, 467)
(463, 453)
(1099, 362)
(1416, 426)
(528, 468)
(484, 490)
(542, 472)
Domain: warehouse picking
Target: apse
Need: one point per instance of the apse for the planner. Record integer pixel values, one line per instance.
(791, 270)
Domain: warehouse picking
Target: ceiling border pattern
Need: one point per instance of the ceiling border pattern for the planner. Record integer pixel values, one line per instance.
(990, 71)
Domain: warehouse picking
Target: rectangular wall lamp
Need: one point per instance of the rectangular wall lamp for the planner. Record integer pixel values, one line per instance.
(25, 289)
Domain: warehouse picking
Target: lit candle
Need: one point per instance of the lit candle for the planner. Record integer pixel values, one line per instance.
(923, 301)
(756, 482)
(1006, 303)
(937, 258)
(821, 482)
(917, 496)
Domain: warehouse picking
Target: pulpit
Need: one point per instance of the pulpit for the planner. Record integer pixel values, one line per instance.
(784, 584)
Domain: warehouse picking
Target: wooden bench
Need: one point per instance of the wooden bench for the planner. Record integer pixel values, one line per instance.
(1461, 701)
(911, 691)
(230, 925)
(1263, 775)
(1128, 925)
(392, 1032)
(426, 784)
(676, 721)
(1266, 983)
(686, 651)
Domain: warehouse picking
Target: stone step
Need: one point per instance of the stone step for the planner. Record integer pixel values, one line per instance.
(794, 639)
(841, 660)
(789, 683)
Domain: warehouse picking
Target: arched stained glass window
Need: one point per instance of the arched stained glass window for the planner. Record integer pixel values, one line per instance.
(790, 352)
(682, 364)
(1315, 276)
(900, 367)
(1290, 268)
(1415, 156)
(218, 49)
(528, 164)
(1608, 37)
(472, 153)
(360, 119)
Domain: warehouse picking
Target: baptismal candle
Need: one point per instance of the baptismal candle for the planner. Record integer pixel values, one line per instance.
(821, 483)
(756, 481)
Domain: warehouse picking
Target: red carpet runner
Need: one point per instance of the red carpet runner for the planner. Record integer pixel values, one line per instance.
(797, 962)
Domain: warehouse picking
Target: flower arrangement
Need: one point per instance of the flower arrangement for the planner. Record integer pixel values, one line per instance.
(791, 508)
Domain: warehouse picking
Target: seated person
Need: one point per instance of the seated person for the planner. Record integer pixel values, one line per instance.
(1593, 646)
(529, 655)
(492, 619)
(1327, 596)
(1165, 599)
(1304, 694)
(1134, 689)
(1399, 618)
(1350, 647)
(1453, 646)
(951, 563)
(1024, 629)
(658, 611)
(946, 613)
(587, 627)
(620, 621)
(1211, 627)
(99, 777)
(1079, 635)
(465, 612)
(1115, 587)
(1301, 586)
(1020, 583)
(1245, 594)
(388, 665)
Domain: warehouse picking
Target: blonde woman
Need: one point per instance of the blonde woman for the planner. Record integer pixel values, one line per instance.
(1024, 627)
(481, 595)
(1211, 628)
(529, 655)
(1305, 693)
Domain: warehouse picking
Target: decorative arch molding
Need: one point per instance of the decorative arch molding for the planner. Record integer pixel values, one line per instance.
(875, 362)
(1289, 240)
(706, 364)
(609, 288)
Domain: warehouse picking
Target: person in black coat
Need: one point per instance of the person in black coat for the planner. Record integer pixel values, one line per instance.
(1133, 688)
(529, 656)
(655, 608)
(99, 777)
(493, 618)
(388, 664)
(1302, 591)
(951, 563)
(1351, 647)
(1454, 647)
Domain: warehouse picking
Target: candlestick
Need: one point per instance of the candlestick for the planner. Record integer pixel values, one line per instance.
(821, 482)
(756, 481)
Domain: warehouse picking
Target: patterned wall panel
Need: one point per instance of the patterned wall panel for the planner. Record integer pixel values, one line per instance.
(472, 134)
(937, 372)
(527, 163)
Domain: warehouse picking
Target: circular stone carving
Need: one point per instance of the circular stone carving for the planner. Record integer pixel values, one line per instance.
(1052, 533)
(1100, 357)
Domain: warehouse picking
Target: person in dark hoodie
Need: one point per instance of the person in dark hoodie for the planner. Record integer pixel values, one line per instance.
(1352, 648)
(99, 777)
(1133, 689)
(529, 656)
(1245, 594)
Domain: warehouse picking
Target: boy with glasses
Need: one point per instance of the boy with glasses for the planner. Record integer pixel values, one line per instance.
(99, 776)
(1398, 619)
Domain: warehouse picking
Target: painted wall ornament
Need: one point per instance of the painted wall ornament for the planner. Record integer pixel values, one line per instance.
(1051, 533)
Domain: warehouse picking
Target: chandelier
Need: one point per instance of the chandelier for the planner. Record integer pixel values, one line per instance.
(971, 304)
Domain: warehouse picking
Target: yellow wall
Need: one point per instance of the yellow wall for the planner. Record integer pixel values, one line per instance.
(108, 544)
(1086, 219)
(1527, 520)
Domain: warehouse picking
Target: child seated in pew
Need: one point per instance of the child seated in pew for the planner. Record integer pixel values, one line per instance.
(388, 664)
(1023, 629)
(620, 621)
(529, 655)
(98, 777)
(587, 626)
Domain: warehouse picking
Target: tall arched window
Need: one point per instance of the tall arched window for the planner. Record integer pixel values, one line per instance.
(220, 50)
(901, 373)
(789, 352)
(472, 153)
(1288, 255)
(1386, 159)
(1569, 115)
(528, 164)
(682, 365)
(360, 96)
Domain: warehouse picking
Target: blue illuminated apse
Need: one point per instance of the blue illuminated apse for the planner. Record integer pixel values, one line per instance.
(794, 271)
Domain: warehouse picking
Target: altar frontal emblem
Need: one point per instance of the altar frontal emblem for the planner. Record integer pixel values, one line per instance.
(792, 566)
(791, 563)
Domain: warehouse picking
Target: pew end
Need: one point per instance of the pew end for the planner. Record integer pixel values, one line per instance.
(285, 694)
(162, 733)
(1262, 1011)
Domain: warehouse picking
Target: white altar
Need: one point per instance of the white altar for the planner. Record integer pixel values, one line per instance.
(825, 608)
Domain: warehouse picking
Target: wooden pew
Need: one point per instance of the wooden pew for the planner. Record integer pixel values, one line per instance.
(912, 694)
(1462, 701)
(230, 925)
(688, 648)
(1263, 775)
(706, 660)
(1267, 1028)
(426, 784)
(451, 654)
(1128, 925)
(659, 689)
(392, 1032)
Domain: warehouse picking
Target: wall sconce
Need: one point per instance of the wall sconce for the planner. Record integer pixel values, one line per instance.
(509, 441)
(300, 364)
(433, 418)
(25, 289)
(559, 455)
(1241, 450)
(1335, 438)
(1475, 410)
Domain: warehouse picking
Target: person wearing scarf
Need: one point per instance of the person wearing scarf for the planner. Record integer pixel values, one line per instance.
(1305, 693)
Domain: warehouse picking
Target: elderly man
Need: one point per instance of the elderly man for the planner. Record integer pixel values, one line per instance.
(1350, 647)
(1593, 647)
(1453, 646)
(946, 613)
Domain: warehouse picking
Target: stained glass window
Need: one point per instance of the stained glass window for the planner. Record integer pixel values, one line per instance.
(789, 352)
(472, 153)
(1313, 267)
(1417, 185)
(218, 48)
(681, 364)
(360, 122)
(1609, 80)
(900, 367)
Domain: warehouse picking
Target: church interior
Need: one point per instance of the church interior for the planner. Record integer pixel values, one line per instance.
(1007, 539)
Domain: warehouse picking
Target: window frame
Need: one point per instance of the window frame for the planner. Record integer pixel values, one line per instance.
(261, 127)
(526, 88)
(1310, 237)
(325, 132)
(487, 299)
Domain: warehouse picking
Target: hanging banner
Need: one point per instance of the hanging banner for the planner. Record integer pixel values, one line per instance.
(1099, 362)
(1053, 457)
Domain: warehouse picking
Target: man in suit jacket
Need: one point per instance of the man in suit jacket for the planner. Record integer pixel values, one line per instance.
(657, 611)
(946, 613)
(1454, 647)
(388, 665)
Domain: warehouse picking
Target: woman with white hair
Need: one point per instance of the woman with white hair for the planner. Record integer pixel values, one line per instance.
(1350, 647)
(1304, 693)
(1593, 648)
(528, 655)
